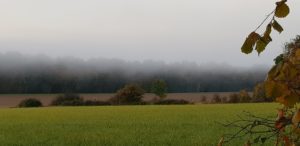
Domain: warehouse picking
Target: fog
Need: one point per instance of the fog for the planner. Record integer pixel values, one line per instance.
(199, 31)
(42, 74)
(14, 62)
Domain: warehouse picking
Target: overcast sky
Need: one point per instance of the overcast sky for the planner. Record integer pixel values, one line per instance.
(168, 30)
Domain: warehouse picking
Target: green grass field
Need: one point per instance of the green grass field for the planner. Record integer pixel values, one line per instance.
(185, 125)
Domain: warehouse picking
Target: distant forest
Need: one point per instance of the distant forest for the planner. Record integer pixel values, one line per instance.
(42, 74)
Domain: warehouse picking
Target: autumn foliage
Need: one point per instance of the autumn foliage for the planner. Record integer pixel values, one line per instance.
(260, 42)
(282, 84)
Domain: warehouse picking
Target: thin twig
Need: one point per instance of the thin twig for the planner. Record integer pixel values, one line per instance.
(265, 20)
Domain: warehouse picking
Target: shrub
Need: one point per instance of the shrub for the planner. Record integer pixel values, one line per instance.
(244, 96)
(95, 102)
(203, 99)
(233, 98)
(224, 99)
(130, 94)
(216, 99)
(31, 102)
(68, 100)
(171, 101)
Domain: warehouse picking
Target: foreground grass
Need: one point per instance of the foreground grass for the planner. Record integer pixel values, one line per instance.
(122, 125)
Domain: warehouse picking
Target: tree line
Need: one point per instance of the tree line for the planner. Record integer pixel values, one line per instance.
(110, 82)
(19, 74)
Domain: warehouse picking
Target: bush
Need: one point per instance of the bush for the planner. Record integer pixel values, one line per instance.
(130, 94)
(95, 103)
(224, 99)
(203, 99)
(171, 101)
(68, 100)
(31, 102)
(233, 98)
(216, 99)
(244, 96)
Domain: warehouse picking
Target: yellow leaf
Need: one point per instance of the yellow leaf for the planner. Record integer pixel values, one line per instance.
(253, 36)
(247, 47)
(296, 118)
(296, 58)
(288, 100)
(296, 122)
(282, 10)
(260, 46)
(268, 30)
(274, 89)
(277, 26)
(250, 41)
(283, 72)
(275, 70)
(267, 39)
(287, 73)
(280, 76)
(297, 53)
(269, 87)
(292, 100)
(291, 73)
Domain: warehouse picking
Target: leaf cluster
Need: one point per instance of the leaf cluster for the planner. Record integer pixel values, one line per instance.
(159, 88)
(260, 42)
(283, 81)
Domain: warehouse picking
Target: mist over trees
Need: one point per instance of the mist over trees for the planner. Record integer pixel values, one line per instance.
(42, 74)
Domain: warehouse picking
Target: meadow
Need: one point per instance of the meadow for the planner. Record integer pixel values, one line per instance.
(183, 125)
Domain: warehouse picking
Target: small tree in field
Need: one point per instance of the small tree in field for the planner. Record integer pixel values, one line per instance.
(130, 94)
(159, 88)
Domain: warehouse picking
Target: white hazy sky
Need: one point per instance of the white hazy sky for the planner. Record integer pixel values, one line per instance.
(169, 30)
